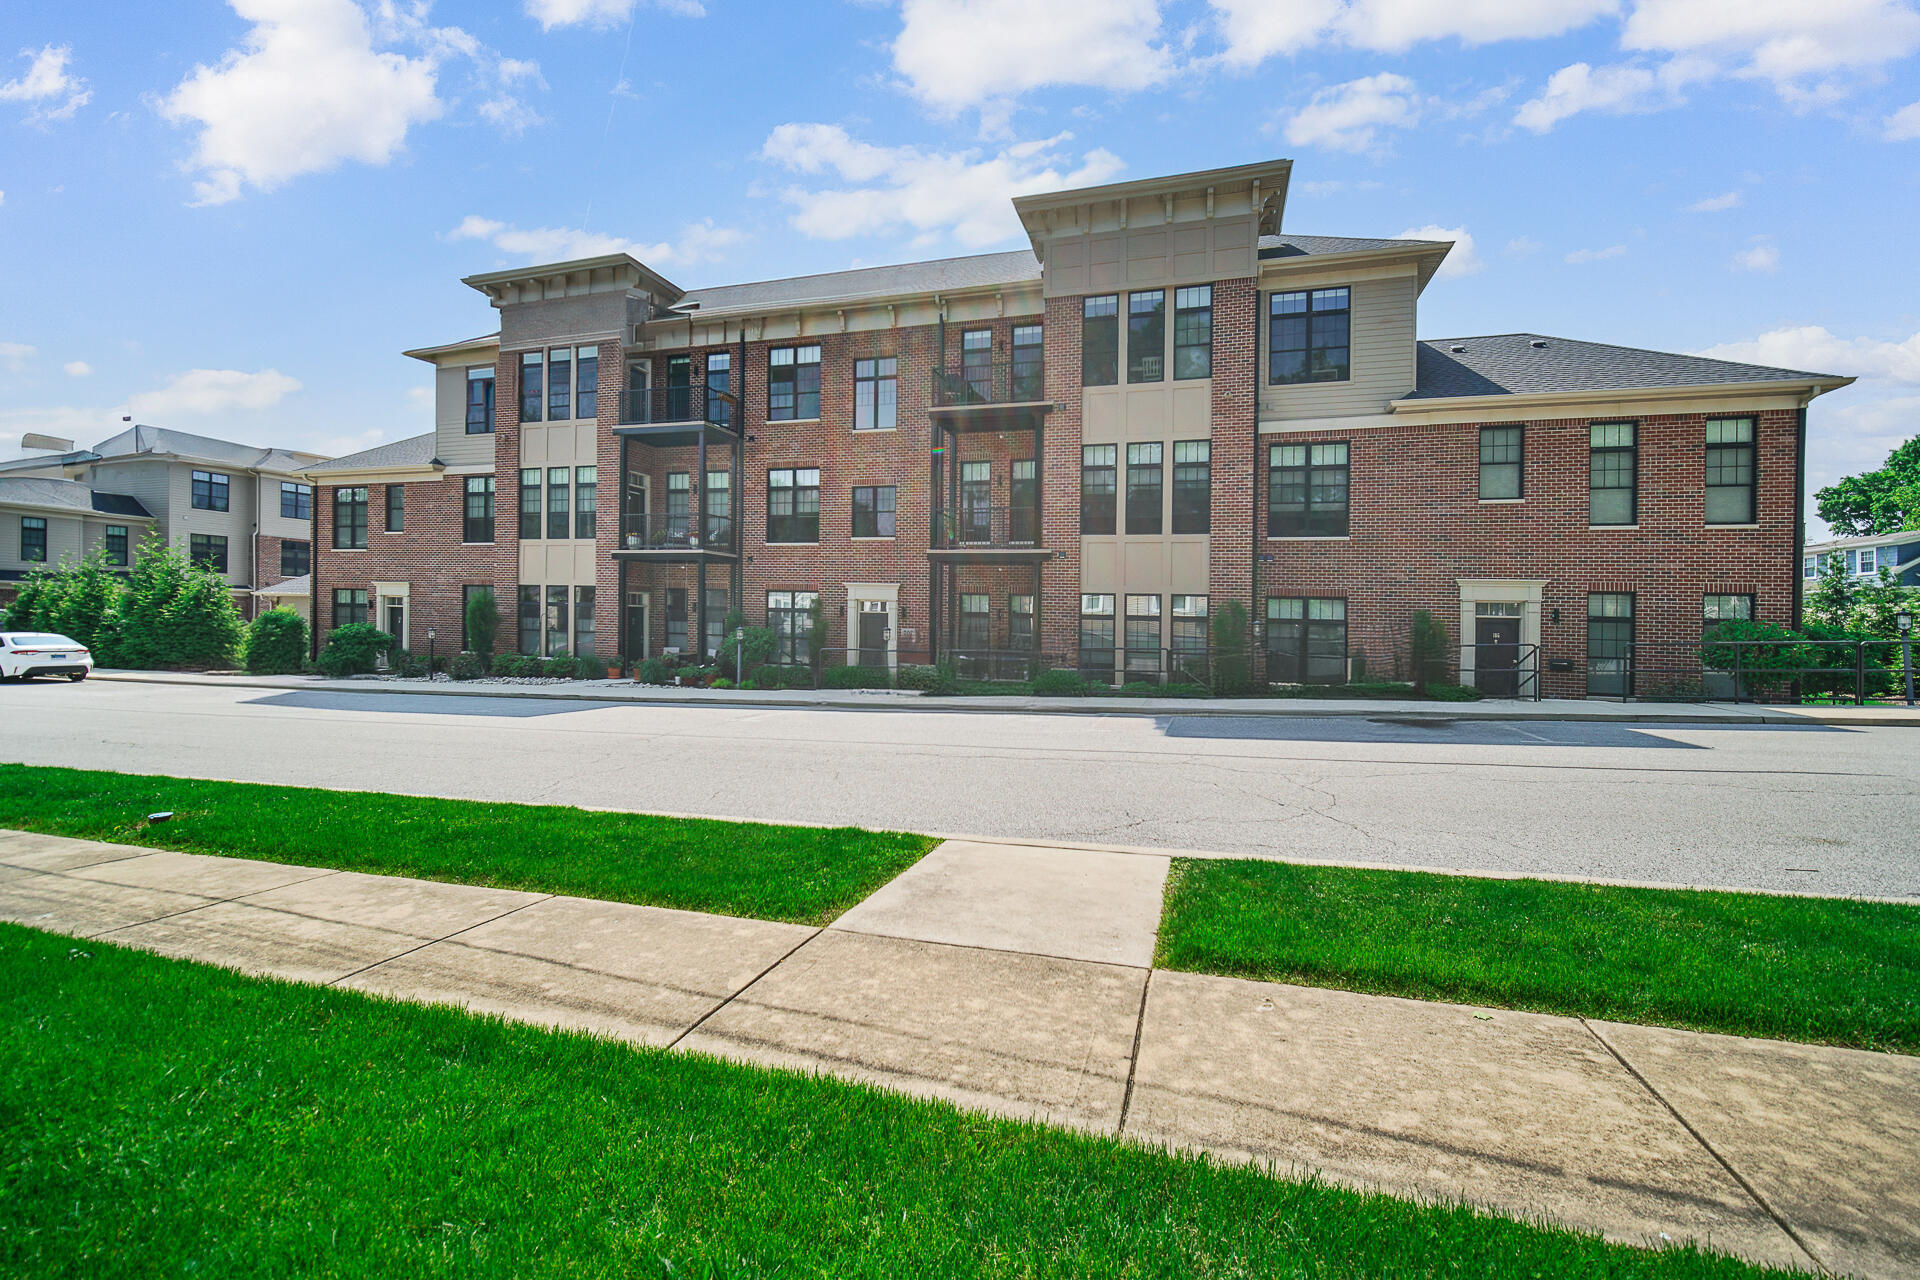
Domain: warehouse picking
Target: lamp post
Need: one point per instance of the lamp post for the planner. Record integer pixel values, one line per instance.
(429, 655)
(1904, 621)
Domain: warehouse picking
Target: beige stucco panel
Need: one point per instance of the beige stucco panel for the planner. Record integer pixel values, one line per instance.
(1382, 347)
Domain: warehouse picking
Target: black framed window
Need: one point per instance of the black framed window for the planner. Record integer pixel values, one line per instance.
(876, 394)
(976, 621)
(529, 502)
(1610, 644)
(718, 602)
(1717, 609)
(1100, 341)
(468, 594)
(1307, 490)
(586, 501)
(349, 518)
(1143, 634)
(1029, 369)
(480, 400)
(556, 620)
(1146, 469)
(477, 517)
(586, 382)
(1023, 499)
(528, 621)
(1307, 336)
(209, 491)
(976, 363)
(1502, 453)
(1147, 335)
(1096, 636)
(208, 550)
(1192, 486)
(719, 385)
(560, 384)
(33, 539)
(976, 501)
(1020, 622)
(1306, 640)
(873, 511)
(1098, 487)
(718, 507)
(559, 514)
(396, 508)
(793, 505)
(117, 545)
(349, 607)
(679, 504)
(296, 501)
(793, 383)
(677, 619)
(1187, 629)
(790, 618)
(1730, 471)
(1613, 473)
(1193, 332)
(532, 370)
(296, 558)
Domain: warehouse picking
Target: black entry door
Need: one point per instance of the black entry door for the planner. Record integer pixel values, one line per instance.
(873, 639)
(1496, 656)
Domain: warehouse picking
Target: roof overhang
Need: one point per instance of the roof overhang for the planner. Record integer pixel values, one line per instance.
(1800, 389)
(471, 347)
(1049, 213)
(613, 272)
(845, 302)
(79, 513)
(1424, 256)
(360, 475)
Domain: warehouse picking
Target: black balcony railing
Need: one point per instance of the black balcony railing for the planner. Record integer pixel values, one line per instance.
(651, 406)
(987, 527)
(1002, 382)
(655, 531)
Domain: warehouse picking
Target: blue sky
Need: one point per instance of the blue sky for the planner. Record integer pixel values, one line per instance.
(231, 218)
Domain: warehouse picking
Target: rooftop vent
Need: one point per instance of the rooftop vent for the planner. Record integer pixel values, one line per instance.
(1457, 349)
(1538, 344)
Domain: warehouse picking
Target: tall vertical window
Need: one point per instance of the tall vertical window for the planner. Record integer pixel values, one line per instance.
(1143, 634)
(559, 522)
(582, 620)
(1193, 332)
(1307, 491)
(976, 501)
(117, 548)
(793, 383)
(717, 510)
(33, 539)
(349, 606)
(1610, 644)
(209, 491)
(1613, 473)
(1307, 337)
(876, 394)
(1023, 499)
(531, 368)
(1145, 464)
(480, 400)
(976, 364)
(1192, 486)
(396, 508)
(586, 383)
(679, 388)
(468, 594)
(560, 384)
(1028, 373)
(556, 620)
(1730, 471)
(586, 502)
(296, 501)
(1096, 636)
(208, 550)
(477, 516)
(1306, 640)
(793, 505)
(1188, 632)
(1098, 487)
(790, 618)
(1020, 622)
(1100, 341)
(716, 619)
(349, 518)
(1147, 335)
(719, 386)
(527, 619)
(677, 619)
(1501, 452)
(529, 502)
(296, 558)
(976, 621)
(873, 511)
(679, 504)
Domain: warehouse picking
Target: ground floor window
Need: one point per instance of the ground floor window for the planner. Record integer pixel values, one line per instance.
(717, 604)
(1187, 637)
(1306, 640)
(1143, 634)
(677, 618)
(1096, 637)
(529, 618)
(976, 622)
(1020, 622)
(556, 621)
(790, 618)
(349, 606)
(1610, 644)
(582, 620)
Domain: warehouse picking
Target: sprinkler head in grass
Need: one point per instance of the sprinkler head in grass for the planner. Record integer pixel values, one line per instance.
(162, 816)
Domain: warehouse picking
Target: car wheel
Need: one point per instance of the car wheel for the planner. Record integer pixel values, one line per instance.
(77, 676)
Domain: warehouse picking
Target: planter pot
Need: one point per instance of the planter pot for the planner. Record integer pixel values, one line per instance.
(616, 673)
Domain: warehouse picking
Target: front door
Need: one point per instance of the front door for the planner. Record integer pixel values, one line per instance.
(637, 637)
(1496, 657)
(873, 634)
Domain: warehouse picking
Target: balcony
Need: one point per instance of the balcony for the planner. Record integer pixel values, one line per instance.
(674, 411)
(987, 533)
(657, 536)
(989, 385)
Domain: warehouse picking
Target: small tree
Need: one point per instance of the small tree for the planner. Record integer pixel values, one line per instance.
(353, 648)
(1877, 601)
(174, 614)
(817, 638)
(1832, 600)
(24, 614)
(1762, 667)
(1427, 649)
(483, 623)
(276, 642)
(1232, 666)
(82, 602)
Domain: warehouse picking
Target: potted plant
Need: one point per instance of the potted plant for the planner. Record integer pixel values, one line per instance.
(617, 667)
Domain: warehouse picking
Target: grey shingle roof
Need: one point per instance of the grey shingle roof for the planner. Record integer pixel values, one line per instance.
(1292, 246)
(1016, 267)
(1510, 364)
(69, 494)
(144, 439)
(414, 451)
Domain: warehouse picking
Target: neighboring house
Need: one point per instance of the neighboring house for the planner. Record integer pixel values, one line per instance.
(46, 523)
(1898, 553)
(1077, 453)
(245, 510)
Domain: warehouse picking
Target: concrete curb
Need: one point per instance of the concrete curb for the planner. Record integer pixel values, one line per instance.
(1563, 711)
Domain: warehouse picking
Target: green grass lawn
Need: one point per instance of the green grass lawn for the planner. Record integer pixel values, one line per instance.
(807, 875)
(160, 1118)
(1826, 970)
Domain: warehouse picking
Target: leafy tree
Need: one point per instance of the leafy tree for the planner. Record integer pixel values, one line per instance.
(1877, 600)
(1834, 596)
(24, 614)
(1883, 501)
(483, 623)
(1762, 667)
(1427, 647)
(174, 614)
(817, 638)
(276, 642)
(1231, 666)
(83, 602)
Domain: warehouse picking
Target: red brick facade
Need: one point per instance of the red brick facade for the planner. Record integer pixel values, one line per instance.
(428, 555)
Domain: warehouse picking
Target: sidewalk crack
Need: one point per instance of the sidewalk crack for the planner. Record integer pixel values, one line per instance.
(702, 1020)
(1133, 1060)
(545, 897)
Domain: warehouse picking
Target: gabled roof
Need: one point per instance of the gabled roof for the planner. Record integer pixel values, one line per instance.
(1291, 246)
(1533, 364)
(137, 440)
(300, 586)
(414, 451)
(70, 495)
(942, 275)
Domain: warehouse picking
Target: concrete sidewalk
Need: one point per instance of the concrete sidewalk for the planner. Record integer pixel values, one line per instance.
(1015, 980)
(626, 691)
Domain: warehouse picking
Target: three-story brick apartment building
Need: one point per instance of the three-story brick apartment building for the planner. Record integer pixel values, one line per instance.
(1078, 452)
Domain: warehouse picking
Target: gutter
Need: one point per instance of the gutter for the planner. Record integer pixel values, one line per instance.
(1808, 387)
(1799, 515)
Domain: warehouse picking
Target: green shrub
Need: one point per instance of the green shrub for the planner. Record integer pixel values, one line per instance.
(925, 679)
(721, 682)
(757, 647)
(465, 666)
(173, 614)
(857, 677)
(276, 642)
(559, 667)
(652, 671)
(1232, 666)
(1427, 651)
(589, 667)
(351, 649)
(1060, 683)
(1453, 693)
(483, 623)
(768, 676)
(1763, 667)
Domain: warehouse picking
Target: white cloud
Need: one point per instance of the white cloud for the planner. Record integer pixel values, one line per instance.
(14, 356)
(1620, 89)
(1812, 347)
(1904, 124)
(53, 93)
(967, 53)
(1524, 246)
(963, 195)
(1257, 29)
(600, 13)
(698, 242)
(1349, 117)
(1760, 256)
(1597, 255)
(1716, 204)
(199, 391)
(1463, 260)
(1783, 41)
(77, 368)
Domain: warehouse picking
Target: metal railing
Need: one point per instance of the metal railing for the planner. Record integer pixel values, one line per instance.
(654, 406)
(988, 383)
(986, 527)
(657, 531)
(1787, 670)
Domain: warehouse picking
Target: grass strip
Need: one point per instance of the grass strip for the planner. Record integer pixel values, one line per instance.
(806, 875)
(163, 1118)
(1831, 971)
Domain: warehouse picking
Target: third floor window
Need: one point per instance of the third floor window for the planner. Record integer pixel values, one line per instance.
(209, 491)
(480, 400)
(793, 383)
(1613, 473)
(1730, 471)
(876, 393)
(1308, 337)
(296, 500)
(1193, 332)
(1147, 335)
(349, 518)
(1501, 450)
(1100, 341)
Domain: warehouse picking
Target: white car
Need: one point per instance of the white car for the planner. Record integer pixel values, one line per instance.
(39, 653)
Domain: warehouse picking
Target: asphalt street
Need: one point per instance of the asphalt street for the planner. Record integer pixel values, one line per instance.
(1808, 808)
